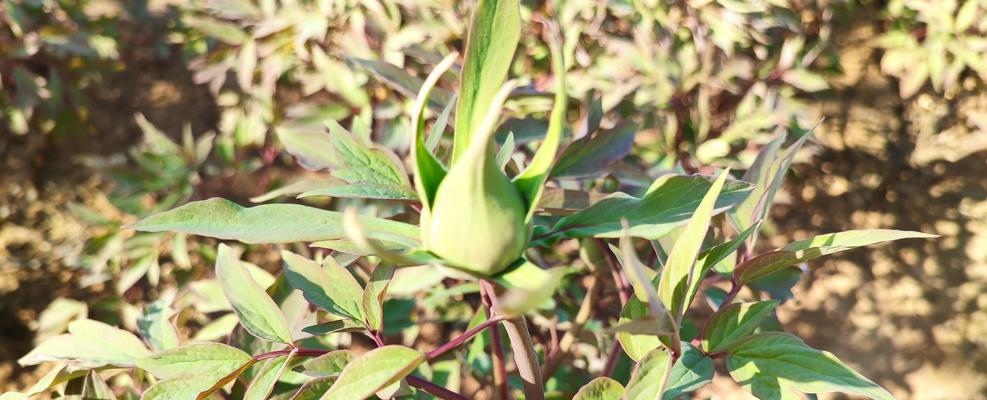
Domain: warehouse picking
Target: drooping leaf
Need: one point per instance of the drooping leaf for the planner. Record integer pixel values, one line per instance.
(531, 181)
(817, 246)
(373, 371)
(677, 277)
(206, 360)
(328, 286)
(495, 29)
(734, 322)
(89, 344)
(156, 327)
(770, 364)
(270, 223)
(256, 311)
(590, 156)
(602, 388)
(669, 203)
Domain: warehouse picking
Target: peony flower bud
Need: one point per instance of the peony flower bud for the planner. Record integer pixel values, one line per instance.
(477, 221)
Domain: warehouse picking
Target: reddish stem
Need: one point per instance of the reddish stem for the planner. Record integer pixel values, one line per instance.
(433, 389)
(464, 337)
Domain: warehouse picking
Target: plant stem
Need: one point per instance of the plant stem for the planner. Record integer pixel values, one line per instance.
(731, 295)
(500, 369)
(618, 279)
(298, 352)
(612, 359)
(459, 340)
(525, 358)
(433, 389)
(497, 345)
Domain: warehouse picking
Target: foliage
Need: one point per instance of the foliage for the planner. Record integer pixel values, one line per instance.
(946, 37)
(475, 231)
(50, 51)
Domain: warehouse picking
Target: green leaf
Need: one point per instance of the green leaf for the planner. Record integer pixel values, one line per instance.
(313, 389)
(401, 81)
(677, 276)
(591, 155)
(330, 364)
(205, 360)
(89, 344)
(531, 181)
(504, 154)
(328, 286)
(375, 168)
(602, 388)
(373, 295)
(649, 381)
(774, 365)
(185, 387)
(94, 388)
(817, 246)
(668, 204)
(256, 311)
(270, 371)
(734, 322)
(658, 320)
(637, 343)
(269, 223)
(308, 143)
(298, 187)
(767, 173)
(692, 371)
(373, 371)
(341, 325)
(156, 327)
(495, 29)
(429, 172)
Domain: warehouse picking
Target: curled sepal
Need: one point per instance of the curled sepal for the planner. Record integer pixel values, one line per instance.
(477, 220)
(428, 170)
(526, 287)
(531, 181)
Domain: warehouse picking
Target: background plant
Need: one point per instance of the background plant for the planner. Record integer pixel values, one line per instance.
(628, 138)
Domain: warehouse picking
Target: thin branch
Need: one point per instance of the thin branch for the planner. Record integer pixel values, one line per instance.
(612, 359)
(501, 390)
(433, 389)
(459, 340)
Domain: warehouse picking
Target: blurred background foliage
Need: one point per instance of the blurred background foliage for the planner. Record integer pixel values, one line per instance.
(112, 110)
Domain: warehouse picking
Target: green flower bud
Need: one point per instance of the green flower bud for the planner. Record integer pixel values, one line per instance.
(477, 220)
